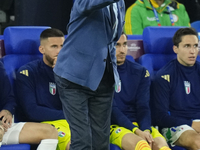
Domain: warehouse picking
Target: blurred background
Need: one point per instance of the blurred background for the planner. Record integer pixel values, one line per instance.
(56, 13)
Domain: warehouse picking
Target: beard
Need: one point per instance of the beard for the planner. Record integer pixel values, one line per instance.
(120, 62)
(121, 58)
(49, 59)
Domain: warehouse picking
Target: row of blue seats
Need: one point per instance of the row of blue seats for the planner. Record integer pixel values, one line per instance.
(130, 38)
(21, 46)
(22, 42)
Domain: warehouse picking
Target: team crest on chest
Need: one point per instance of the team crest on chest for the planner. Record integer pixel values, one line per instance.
(187, 87)
(52, 88)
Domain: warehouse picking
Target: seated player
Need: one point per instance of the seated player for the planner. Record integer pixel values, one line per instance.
(24, 132)
(131, 120)
(175, 93)
(36, 89)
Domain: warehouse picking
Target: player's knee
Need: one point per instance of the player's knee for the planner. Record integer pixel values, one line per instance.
(131, 144)
(196, 144)
(129, 141)
(49, 132)
(160, 142)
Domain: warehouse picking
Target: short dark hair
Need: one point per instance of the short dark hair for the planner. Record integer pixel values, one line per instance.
(123, 33)
(51, 32)
(182, 32)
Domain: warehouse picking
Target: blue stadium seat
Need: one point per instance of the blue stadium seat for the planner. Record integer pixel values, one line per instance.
(21, 46)
(114, 147)
(196, 25)
(134, 37)
(157, 42)
(15, 147)
(129, 57)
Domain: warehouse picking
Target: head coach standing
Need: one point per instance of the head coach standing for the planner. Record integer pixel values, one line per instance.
(86, 70)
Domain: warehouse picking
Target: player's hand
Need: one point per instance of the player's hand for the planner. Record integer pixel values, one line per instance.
(146, 135)
(54, 62)
(6, 117)
(196, 126)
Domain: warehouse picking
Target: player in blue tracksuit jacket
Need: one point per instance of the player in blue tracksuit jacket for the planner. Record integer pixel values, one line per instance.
(131, 118)
(36, 89)
(22, 132)
(37, 93)
(175, 93)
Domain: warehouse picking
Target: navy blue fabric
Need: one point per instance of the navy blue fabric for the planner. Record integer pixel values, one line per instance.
(131, 104)
(38, 99)
(177, 148)
(171, 95)
(12, 63)
(7, 100)
(114, 147)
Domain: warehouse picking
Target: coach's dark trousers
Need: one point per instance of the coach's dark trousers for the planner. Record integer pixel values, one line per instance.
(87, 112)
